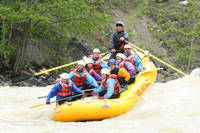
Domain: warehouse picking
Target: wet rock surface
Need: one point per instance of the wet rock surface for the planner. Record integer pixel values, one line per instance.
(28, 80)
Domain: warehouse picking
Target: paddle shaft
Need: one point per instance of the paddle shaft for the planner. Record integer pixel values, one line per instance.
(56, 100)
(179, 71)
(59, 67)
(82, 90)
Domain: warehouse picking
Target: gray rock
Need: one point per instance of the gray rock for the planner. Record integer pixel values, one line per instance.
(78, 49)
(195, 72)
(33, 54)
(51, 80)
(32, 71)
(2, 78)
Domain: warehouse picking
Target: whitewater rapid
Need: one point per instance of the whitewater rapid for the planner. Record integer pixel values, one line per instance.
(172, 107)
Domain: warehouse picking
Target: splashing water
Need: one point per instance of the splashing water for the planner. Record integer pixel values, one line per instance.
(172, 107)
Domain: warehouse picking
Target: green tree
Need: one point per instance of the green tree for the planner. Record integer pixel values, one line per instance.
(52, 20)
(178, 31)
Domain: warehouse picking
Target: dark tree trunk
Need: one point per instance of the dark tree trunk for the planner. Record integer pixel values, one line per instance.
(4, 35)
(19, 63)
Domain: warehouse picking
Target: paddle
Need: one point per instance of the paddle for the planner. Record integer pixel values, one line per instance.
(55, 68)
(82, 90)
(59, 67)
(179, 71)
(56, 101)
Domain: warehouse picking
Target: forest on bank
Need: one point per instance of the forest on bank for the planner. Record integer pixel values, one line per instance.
(52, 24)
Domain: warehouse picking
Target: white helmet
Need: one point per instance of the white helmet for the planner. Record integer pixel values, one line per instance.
(64, 76)
(105, 71)
(120, 23)
(89, 61)
(96, 50)
(81, 63)
(121, 56)
(127, 46)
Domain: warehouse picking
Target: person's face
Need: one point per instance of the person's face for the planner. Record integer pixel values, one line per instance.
(112, 67)
(80, 67)
(90, 65)
(127, 50)
(119, 28)
(64, 80)
(118, 59)
(96, 55)
(103, 76)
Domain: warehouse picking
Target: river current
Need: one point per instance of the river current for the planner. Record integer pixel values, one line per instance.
(172, 107)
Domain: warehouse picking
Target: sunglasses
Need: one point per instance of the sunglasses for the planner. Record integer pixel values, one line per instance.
(127, 49)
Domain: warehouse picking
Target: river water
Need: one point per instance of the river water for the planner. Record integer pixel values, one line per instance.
(172, 107)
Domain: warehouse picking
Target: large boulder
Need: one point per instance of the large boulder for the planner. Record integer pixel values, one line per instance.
(79, 49)
(38, 54)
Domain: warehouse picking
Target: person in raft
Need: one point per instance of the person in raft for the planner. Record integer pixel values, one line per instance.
(63, 88)
(117, 41)
(112, 64)
(90, 70)
(98, 62)
(81, 77)
(124, 66)
(133, 58)
(123, 75)
(110, 87)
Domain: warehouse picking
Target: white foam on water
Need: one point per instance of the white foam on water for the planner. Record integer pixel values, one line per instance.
(172, 107)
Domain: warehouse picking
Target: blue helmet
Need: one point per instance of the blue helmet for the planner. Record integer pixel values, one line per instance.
(112, 62)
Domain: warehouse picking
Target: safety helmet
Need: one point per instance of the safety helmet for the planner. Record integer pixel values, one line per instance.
(81, 63)
(121, 55)
(105, 71)
(112, 62)
(119, 23)
(127, 46)
(96, 50)
(89, 61)
(64, 76)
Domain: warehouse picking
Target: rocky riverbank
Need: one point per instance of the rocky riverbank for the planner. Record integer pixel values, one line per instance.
(26, 78)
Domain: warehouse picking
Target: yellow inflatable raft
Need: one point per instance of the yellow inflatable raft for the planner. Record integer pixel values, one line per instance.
(97, 109)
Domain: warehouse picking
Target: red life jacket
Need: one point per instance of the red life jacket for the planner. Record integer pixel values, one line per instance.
(117, 85)
(97, 65)
(79, 80)
(66, 88)
(91, 71)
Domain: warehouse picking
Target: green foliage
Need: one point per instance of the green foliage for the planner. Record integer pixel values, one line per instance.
(6, 52)
(54, 21)
(178, 30)
(28, 66)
